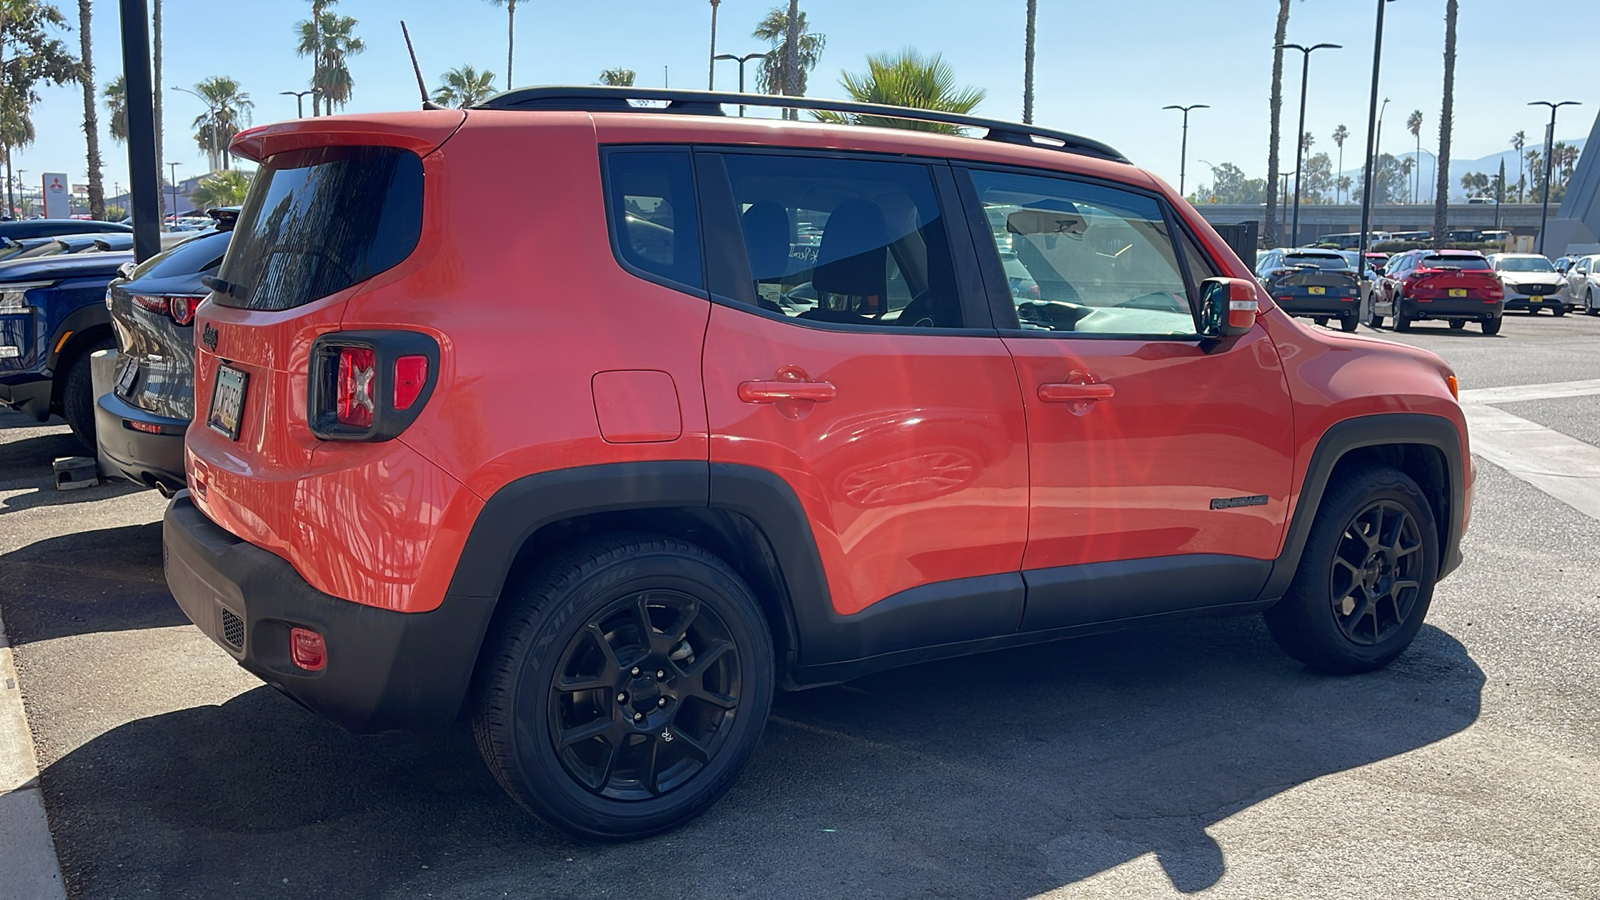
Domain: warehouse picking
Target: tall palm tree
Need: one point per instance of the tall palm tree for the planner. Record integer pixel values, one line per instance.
(1276, 102)
(906, 79)
(228, 111)
(1340, 135)
(774, 29)
(1441, 199)
(91, 121)
(1414, 125)
(1518, 141)
(310, 41)
(463, 87)
(511, 34)
(115, 95)
(330, 40)
(618, 77)
(1027, 64)
(711, 67)
(1407, 166)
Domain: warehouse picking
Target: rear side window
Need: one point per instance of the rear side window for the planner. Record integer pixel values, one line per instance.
(319, 221)
(1465, 263)
(191, 256)
(650, 203)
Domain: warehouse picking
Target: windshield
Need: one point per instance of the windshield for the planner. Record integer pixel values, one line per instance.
(1321, 261)
(1524, 264)
(319, 221)
(1465, 263)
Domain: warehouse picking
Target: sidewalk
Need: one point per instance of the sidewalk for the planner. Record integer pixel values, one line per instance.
(28, 866)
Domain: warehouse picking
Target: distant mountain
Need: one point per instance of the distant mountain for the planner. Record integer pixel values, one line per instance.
(1488, 165)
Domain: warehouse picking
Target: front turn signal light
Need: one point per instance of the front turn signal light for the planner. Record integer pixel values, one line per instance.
(1455, 389)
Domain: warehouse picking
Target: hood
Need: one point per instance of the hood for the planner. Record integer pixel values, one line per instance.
(1532, 277)
(76, 265)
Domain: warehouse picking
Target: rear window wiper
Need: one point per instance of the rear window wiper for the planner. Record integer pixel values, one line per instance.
(237, 291)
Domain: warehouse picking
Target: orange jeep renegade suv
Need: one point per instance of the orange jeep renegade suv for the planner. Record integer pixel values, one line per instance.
(598, 423)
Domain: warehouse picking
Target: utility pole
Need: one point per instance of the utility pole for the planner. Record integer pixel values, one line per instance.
(174, 190)
(1183, 151)
(741, 60)
(1300, 139)
(1549, 147)
(143, 173)
(711, 66)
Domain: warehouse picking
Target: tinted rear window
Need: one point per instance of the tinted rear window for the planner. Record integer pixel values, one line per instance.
(1434, 261)
(1321, 262)
(319, 221)
(191, 256)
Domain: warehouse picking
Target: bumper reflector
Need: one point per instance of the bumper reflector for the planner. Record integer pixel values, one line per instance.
(307, 649)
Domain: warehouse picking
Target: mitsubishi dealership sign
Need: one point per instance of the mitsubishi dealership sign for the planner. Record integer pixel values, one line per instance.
(56, 205)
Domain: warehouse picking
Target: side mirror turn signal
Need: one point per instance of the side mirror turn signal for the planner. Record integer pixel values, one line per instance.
(1228, 307)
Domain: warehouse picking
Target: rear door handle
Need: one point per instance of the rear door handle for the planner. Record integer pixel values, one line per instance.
(778, 391)
(1073, 393)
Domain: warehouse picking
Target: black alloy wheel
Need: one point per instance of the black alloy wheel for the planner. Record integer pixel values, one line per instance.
(624, 686)
(1365, 579)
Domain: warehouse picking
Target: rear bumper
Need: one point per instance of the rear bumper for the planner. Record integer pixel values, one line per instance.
(1468, 308)
(149, 459)
(385, 670)
(1319, 306)
(30, 397)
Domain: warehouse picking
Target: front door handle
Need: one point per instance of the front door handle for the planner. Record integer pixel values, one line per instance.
(1075, 393)
(779, 391)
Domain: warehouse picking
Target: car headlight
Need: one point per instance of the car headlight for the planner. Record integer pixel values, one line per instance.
(13, 296)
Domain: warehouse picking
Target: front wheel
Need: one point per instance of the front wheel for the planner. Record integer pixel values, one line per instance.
(1366, 577)
(77, 393)
(626, 686)
(1373, 319)
(1558, 310)
(1588, 303)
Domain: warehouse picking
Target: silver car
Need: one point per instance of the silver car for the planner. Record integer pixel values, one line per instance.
(1531, 282)
(1583, 283)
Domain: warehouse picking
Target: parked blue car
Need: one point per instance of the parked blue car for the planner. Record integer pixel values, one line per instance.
(52, 317)
(32, 228)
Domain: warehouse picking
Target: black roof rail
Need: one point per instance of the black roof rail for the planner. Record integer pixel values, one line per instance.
(596, 98)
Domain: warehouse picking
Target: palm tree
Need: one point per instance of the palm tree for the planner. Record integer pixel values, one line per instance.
(618, 77)
(464, 87)
(310, 41)
(228, 110)
(222, 189)
(511, 34)
(774, 29)
(1276, 102)
(711, 77)
(1518, 141)
(115, 94)
(1027, 64)
(1340, 135)
(1414, 125)
(1406, 166)
(906, 79)
(1441, 200)
(330, 40)
(91, 121)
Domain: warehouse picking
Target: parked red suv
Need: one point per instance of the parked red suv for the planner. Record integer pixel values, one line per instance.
(600, 423)
(1458, 286)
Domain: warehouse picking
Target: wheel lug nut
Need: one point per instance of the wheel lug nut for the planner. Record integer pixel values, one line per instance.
(638, 717)
(622, 698)
(661, 701)
(661, 673)
(635, 670)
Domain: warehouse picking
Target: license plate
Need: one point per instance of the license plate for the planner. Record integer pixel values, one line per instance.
(126, 375)
(1318, 290)
(227, 402)
(1458, 292)
(1535, 299)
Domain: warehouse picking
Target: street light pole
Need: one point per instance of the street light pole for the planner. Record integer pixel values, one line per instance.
(1372, 125)
(741, 60)
(174, 190)
(1549, 147)
(299, 100)
(1183, 152)
(1300, 139)
(212, 109)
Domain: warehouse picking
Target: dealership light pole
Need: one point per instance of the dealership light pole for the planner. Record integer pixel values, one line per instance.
(1183, 152)
(300, 100)
(741, 60)
(212, 109)
(1372, 137)
(1300, 139)
(1549, 147)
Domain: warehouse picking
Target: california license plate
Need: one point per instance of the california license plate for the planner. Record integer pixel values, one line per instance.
(227, 402)
(1458, 292)
(1318, 290)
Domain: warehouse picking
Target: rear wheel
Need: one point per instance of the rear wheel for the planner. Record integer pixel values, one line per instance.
(626, 688)
(1320, 320)
(1491, 326)
(1366, 577)
(77, 393)
(1348, 322)
(1457, 324)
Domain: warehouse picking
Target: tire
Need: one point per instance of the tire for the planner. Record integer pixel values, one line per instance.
(652, 751)
(1457, 324)
(1349, 323)
(1380, 516)
(1588, 304)
(1373, 319)
(1402, 322)
(77, 393)
(1491, 326)
(1558, 310)
(1320, 320)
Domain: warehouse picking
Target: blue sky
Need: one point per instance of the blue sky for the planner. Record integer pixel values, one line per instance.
(1104, 67)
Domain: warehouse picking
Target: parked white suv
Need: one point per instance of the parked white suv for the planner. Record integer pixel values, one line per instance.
(1583, 283)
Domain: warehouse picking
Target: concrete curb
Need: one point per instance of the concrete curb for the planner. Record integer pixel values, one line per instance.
(28, 864)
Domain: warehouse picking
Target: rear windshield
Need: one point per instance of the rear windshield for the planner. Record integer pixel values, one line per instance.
(1525, 264)
(319, 221)
(188, 258)
(1435, 261)
(1316, 259)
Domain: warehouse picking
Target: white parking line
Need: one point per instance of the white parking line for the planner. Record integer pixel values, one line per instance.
(28, 865)
(1563, 467)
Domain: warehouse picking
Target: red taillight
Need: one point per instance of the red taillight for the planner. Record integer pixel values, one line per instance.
(146, 427)
(357, 370)
(307, 649)
(410, 376)
(182, 308)
(154, 304)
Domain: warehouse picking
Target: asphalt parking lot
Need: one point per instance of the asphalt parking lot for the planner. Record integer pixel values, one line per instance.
(1192, 758)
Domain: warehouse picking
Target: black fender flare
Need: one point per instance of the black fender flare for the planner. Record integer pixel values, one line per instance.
(1384, 429)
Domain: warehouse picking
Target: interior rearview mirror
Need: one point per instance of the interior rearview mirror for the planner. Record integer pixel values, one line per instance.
(1228, 307)
(1046, 221)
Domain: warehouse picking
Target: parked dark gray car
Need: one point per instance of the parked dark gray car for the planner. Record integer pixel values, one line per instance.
(141, 422)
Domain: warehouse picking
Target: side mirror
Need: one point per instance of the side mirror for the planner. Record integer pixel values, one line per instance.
(1228, 307)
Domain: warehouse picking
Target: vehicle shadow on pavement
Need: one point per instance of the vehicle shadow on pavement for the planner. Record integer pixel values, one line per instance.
(1004, 775)
(87, 582)
(26, 463)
